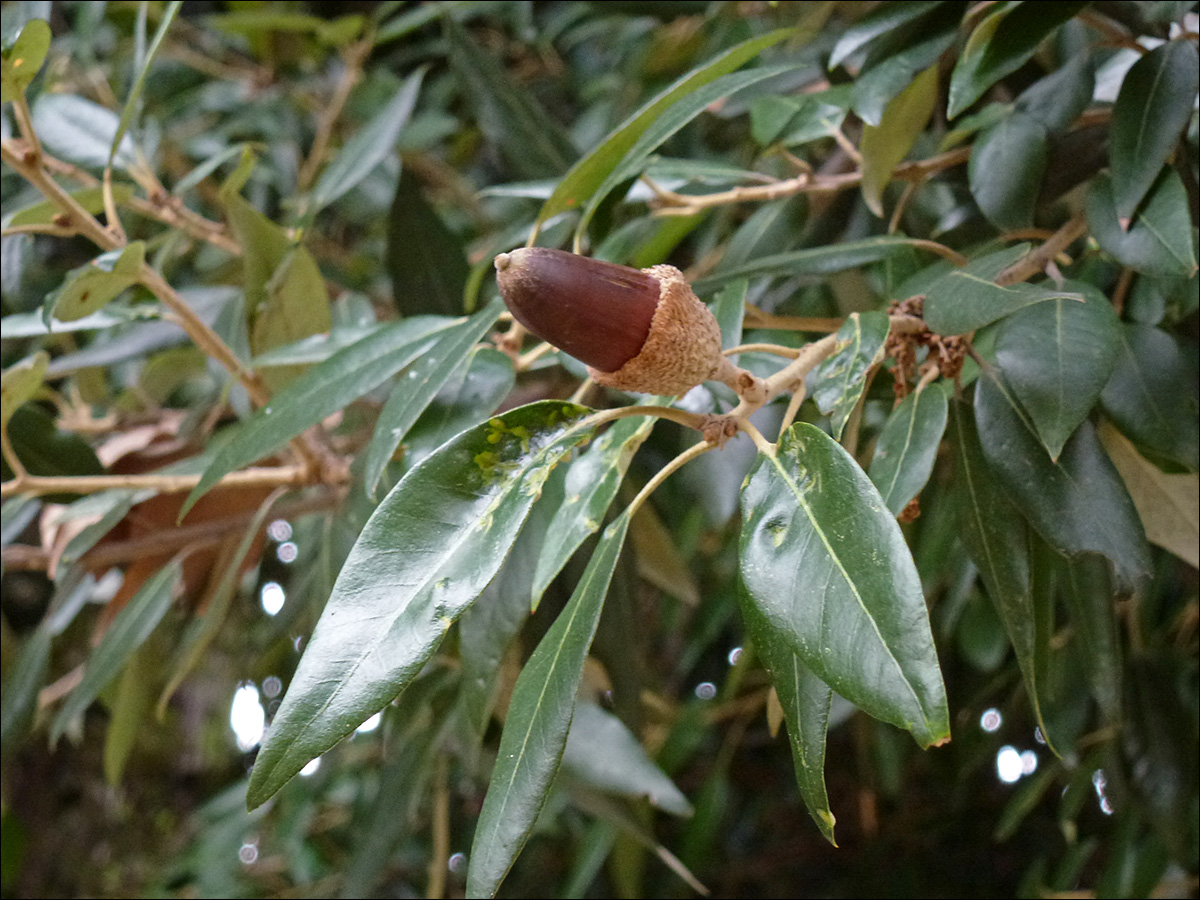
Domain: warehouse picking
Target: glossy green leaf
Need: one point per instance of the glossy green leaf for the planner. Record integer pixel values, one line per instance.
(883, 146)
(591, 486)
(729, 309)
(129, 630)
(321, 391)
(539, 718)
(875, 88)
(1001, 43)
(1152, 110)
(839, 381)
(133, 102)
(417, 387)
(805, 699)
(80, 131)
(810, 261)
(1006, 169)
(20, 382)
(426, 553)
(1077, 504)
(826, 565)
(581, 182)
(45, 450)
(369, 146)
(91, 199)
(966, 299)
(426, 260)
(532, 143)
(770, 230)
(1057, 357)
(87, 289)
(907, 446)
(604, 754)
(295, 305)
(794, 120)
(877, 25)
(315, 348)
(1057, 99)
(998, 541)
(20, 63)
(1159, 242)
(667, 123)
(1092, 601)
(25, 678)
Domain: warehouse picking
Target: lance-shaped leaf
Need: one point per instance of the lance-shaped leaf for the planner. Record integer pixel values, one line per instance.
(425, 259)
(839, 381)
(588, 173)
(415, 390)
(884, 145)
(1077, 503)
(1159, 242)
(592, 483)
(320, 392)
(80, 131)
(20, 382)
(26, 676)
(877, 26)
(968, 298)
(811, 261)
(88, 288)
(805, 699)
(539, 718)
(19, 64)
(91, 199)
(1151, 112)
(826, 565)
(1057, 356)
(1092, 601)
(1000, 44)
(603, 753)
(1006, 168)
(907, 446)
(129, 630)
(998, 541)
(426, 553)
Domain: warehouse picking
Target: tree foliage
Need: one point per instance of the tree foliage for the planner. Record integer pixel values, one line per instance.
(269, 434)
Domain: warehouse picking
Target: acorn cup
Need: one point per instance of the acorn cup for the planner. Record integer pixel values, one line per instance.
(643, 331)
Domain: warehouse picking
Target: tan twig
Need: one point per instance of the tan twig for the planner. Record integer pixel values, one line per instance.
(354, 57)
(33, 485)
(1035, 262)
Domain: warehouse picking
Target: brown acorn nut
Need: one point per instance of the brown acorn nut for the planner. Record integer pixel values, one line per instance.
(642, 331)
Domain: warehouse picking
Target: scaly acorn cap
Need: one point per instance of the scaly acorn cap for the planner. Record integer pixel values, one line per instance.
(643, 331)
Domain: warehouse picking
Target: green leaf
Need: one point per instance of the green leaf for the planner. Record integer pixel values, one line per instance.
(581, 182)
(90, 287)
(907, 447)
(1057, 357)
(295, 305)
(424, 556)
(1006, 169)
(884, 145)
(25, 679)
(539, 718)
(665, 125)
(1160, 241)
(129, 630)
(839, 381)
(826, 565)
(425, 259)
(133, 101)
(998, 541)
(1000, 44)
(416, 388)
(20, 382)
(1152, 395)
(967, 299)
(133, 699)
(321, 391)
(80, 131)
(1091, 599)
(875, 88)
(1152, 110)
(45, 450)
(1077, 504)
(794, 120)
(882, 22)
(805, 699)
(532, 143)
(810, 261)
(1058, 99)
(729, 309)
(591, 486)
(91, 199)
(21, 62)
(604, 754)
(369, 146)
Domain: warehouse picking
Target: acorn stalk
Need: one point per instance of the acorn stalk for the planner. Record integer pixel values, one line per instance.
(643, 331)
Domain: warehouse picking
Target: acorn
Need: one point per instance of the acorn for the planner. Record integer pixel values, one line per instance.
(636, 330)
